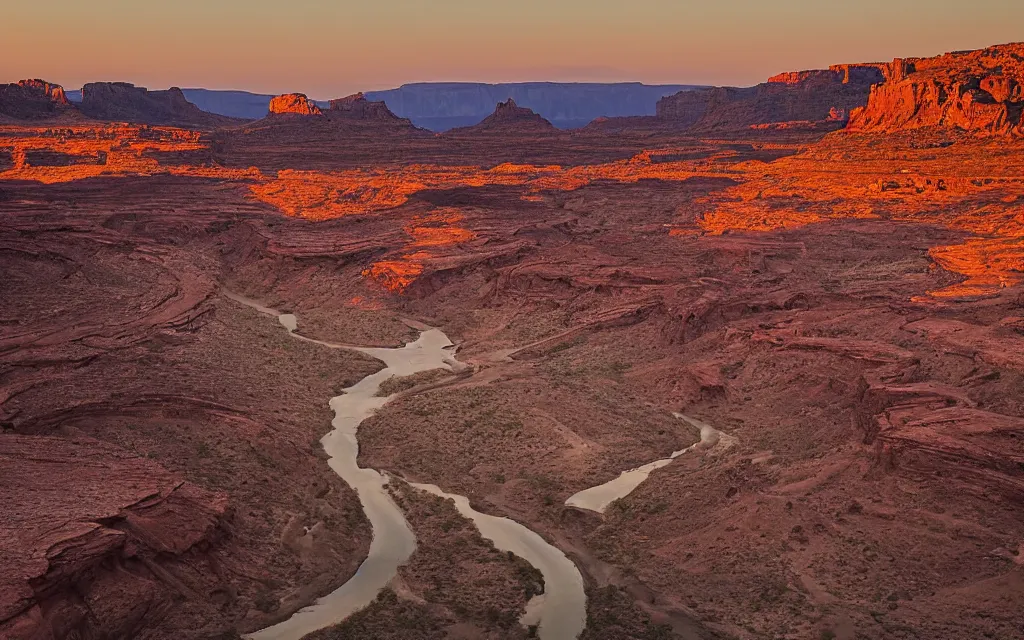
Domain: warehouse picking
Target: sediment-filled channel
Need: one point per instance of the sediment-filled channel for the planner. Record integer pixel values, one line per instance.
(600, 497)
(560, 612)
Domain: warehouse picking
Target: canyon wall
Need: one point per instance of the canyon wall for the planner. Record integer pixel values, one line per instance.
(976, 91)
(826, 95)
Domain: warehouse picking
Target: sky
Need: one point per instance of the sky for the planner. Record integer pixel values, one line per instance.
(333, 48)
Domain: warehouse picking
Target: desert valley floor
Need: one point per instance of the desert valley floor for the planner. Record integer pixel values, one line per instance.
(838, 297)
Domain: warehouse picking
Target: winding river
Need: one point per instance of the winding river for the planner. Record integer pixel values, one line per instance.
(598, 498)
(560, 612)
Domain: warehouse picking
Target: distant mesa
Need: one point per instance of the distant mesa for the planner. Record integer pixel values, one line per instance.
(296, 122)
(353, 107)
(510, 118)
(293, 104)
(124, 102)
(33, 100)
(442, 106)
(358, 107)
(104, 101)
(509, 111)
(54, 92)
(341, 113)
(981, 92)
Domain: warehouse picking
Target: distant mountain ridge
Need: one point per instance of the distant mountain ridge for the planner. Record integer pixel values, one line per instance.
(446, 105)
(440, 106)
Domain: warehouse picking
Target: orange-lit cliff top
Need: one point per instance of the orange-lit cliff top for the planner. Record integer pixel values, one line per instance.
(33, 100)
(293, 103)
(977, 91)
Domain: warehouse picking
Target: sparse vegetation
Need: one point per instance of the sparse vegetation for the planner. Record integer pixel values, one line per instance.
(396, 384)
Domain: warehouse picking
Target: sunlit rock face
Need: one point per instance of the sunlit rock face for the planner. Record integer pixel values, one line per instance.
(294, 104)
(54, 91)
(977, 91)
(817, 96)
(33, 99)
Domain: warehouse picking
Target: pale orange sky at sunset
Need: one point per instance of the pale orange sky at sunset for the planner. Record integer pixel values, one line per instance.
(328, 49)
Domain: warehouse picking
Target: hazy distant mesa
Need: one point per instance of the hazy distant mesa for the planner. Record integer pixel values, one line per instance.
(447, 105)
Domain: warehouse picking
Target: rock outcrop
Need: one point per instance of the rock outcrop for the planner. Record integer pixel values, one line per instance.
(977, 91)
(818, 96)
(358, 107)
(33, 100)
(55, 92)
(86, 527)
(124, 102)
(293, 104)
(510, 118)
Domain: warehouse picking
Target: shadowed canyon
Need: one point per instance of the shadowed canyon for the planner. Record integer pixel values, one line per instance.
(751, 366)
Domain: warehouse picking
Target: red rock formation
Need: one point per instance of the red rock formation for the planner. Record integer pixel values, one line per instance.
(800, 77)
(861, 74)
(799, 96)
(357, 106)
(33, 100)
(86, 524)
(124, 102)
(508, 117)
(294, 104)
(977, 91)
(55, 91)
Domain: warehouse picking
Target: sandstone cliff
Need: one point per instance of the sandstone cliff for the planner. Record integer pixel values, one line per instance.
(124, 102)
(977, 91)
(293, 104)
(33, 100)
(819, 96)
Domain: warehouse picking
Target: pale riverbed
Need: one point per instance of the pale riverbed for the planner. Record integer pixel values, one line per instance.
(600, 497)
(560, 612)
